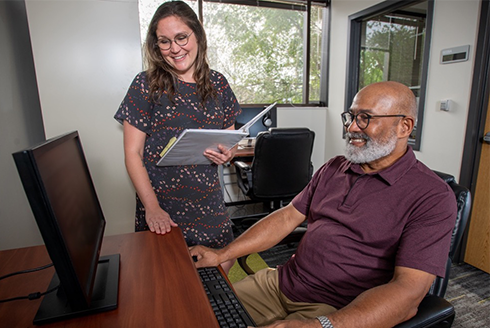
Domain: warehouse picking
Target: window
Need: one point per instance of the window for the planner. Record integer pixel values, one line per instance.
(390, 42)
(268, 50)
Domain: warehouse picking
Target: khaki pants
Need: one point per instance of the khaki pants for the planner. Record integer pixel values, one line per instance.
(263, 300)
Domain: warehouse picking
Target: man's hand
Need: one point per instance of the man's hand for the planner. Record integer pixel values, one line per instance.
(206, 257)
(310, 323)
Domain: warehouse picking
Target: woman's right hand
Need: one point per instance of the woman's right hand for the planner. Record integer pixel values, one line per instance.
(159, 221)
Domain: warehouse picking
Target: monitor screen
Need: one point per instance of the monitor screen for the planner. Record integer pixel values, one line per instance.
(64, 202)
(268, 121)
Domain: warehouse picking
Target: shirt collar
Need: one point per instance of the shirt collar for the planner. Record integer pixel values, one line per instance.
(393, 173)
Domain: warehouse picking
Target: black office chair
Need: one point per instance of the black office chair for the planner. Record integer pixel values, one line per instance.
(281, 166)
(434, 310)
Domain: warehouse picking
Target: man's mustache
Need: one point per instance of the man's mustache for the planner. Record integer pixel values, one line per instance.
(354, 135)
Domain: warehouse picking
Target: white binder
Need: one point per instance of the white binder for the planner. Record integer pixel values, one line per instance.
(189, 147)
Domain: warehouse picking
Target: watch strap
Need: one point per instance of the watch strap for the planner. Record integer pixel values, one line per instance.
(324, 321)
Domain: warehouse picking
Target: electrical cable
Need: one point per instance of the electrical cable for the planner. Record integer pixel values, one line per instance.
(27, 271)
(31, 296)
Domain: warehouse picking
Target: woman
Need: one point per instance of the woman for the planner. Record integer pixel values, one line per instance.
(177, 91)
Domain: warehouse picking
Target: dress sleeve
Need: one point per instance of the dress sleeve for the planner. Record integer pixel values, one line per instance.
(136, 107)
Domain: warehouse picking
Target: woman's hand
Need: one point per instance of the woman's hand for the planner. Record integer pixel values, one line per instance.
(159, 221)
(222, 157)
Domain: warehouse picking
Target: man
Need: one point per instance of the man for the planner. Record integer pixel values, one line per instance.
(379, 229)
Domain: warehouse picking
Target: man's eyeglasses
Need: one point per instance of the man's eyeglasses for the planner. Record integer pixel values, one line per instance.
(180, 40)
(362, 119)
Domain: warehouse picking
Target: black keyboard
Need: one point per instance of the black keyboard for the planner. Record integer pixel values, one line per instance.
(226, 306)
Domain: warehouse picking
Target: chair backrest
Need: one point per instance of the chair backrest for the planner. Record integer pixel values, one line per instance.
(463, 199)
(282, 162)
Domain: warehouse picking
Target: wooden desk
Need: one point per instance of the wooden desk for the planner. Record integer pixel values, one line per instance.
(244, 152)
(158, 285)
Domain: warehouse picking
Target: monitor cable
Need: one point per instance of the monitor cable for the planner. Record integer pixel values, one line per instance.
(31, 296)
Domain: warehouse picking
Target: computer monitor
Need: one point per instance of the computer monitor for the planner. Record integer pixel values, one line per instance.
(268, 121)
(62, 197)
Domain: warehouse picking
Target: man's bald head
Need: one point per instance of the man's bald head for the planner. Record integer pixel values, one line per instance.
(394, 96)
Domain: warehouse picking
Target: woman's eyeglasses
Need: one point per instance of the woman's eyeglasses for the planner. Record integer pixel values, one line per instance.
(180, 40)
(362, 119)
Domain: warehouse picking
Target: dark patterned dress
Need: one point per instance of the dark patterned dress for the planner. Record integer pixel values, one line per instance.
(191, 195)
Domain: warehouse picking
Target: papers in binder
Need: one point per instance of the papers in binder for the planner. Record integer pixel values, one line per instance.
(189, 147)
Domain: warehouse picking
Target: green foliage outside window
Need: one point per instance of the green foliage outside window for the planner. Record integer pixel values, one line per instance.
(259, 50)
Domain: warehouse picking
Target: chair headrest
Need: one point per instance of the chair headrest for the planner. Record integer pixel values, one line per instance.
(446, 177)
(286, 131)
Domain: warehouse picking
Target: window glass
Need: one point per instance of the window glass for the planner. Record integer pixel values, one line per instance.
(390, 42)
(392, 47)
(317, 49)
(261, 53)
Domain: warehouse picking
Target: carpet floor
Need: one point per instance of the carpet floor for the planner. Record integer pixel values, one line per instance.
(469, 292)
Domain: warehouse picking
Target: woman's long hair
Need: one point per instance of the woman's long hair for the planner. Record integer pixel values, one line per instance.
(161, 76)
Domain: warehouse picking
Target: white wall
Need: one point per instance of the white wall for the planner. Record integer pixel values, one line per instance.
(20, 123)
(86, 54)
(455, 24)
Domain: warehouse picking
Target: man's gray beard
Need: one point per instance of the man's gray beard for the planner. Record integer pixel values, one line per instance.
(371, 151)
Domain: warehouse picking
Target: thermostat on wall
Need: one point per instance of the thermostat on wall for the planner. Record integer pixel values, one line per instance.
(454, 55)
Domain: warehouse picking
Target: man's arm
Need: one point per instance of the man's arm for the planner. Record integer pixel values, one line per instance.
(382, 306)
(386, 305)
(261, 236)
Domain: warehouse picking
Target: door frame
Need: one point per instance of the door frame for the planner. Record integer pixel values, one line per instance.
(479, 101)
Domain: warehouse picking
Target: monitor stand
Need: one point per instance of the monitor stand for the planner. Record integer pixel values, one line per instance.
(55, 307)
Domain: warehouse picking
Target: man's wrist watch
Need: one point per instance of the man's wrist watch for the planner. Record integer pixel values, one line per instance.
(325, 322)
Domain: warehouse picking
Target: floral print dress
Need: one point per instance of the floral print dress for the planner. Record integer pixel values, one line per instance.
(190, 194)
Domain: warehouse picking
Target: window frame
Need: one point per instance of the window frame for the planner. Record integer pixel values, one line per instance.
(354, 50)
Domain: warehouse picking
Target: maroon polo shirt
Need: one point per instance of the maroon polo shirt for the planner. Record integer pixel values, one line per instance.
(360, 226)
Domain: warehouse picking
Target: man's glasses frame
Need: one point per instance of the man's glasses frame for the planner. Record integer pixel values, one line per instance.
(181, 40)
(362, 119)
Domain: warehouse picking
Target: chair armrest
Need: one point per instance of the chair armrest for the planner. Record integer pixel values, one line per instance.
(243, 176)
(433, 311)
(242, 261)
(242, 166)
